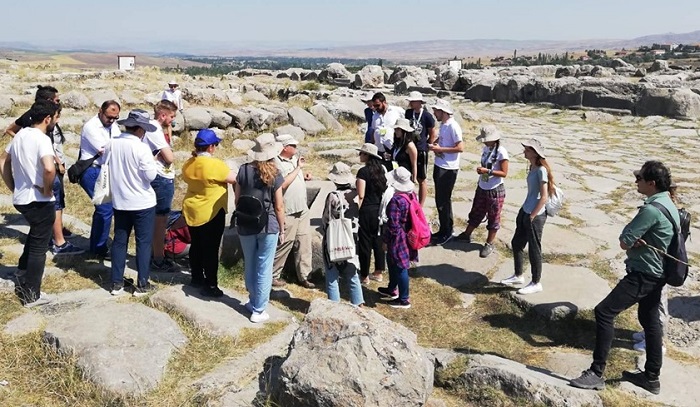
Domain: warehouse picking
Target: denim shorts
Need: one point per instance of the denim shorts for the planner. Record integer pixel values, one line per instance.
(164, 189)
(59, 193)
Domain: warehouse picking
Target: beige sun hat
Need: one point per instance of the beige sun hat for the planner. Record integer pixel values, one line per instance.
(445, 106)
(403, 124)
(488, 133)
(173, 82)
(535, 145)
(400, 179)
(287, 139)
(415, 96)
(341, 174)
(265, 148)
(367, 97)
(369, 149)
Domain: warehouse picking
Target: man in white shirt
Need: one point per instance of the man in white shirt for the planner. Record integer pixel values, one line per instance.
(383, 122)
(447, 152)
(173, 94)
(97, 133)
(131, 171)
(164, 183)
(28, 170)
(297, 225)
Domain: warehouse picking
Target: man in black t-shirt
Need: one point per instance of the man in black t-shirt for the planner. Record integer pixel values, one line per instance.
(425, 133)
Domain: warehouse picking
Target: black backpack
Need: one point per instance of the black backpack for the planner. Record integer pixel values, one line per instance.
(250, 211)
(676, 269)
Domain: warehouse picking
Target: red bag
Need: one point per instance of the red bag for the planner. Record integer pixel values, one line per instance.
(177, 236)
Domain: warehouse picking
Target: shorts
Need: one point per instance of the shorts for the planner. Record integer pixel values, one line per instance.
(164, 189)
(422, 164)
(59, 192)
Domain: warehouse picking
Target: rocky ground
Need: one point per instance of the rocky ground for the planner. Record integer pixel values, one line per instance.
(133, 352)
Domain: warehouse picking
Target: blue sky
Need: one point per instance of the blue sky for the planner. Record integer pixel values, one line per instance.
(301, 23)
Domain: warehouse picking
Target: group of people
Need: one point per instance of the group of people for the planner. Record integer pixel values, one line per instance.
(138, 161)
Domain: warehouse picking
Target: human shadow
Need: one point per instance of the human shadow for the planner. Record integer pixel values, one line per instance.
(685, 308)
(232, 302)
(462, 246)
(453, 276)
(286, 299)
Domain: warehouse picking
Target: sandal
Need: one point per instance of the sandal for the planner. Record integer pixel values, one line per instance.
(376, 277)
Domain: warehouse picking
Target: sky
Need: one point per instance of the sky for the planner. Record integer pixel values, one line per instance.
(159, 25)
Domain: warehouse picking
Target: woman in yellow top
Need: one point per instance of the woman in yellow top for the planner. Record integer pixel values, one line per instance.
(204, 209)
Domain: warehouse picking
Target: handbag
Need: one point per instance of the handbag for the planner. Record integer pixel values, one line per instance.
(75, 171)
(103, 192)
(339, 239)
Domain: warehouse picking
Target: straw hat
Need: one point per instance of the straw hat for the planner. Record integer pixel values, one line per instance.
(266, 147)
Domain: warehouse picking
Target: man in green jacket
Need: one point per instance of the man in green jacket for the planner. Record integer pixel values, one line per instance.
(642, 285)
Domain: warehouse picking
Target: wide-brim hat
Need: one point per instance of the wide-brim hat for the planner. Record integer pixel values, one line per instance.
(488, 133)
(404, 125)
(265, 148)
(535, 145)
(138, 118)
(287, 139)
(341, 174)
(367, 97)
(172, 82)
(369, 149)
(415, 96)
(400, 179)
(443, 105)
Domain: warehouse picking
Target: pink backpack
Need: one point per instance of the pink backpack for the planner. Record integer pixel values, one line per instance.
(419, 235)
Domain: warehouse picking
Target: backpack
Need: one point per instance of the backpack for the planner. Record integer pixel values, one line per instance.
(340, 241)
(177, 239)
(418, 236)
(554, 202)
(250, 212)
(675, 260)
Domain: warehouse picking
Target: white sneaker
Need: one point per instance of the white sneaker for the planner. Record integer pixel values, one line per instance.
(42, 300)
(638, 336)
(530, 289)
(257, 317)
(513, 280)
(642, 347)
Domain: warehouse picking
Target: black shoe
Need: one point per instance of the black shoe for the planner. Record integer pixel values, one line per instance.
(397, 303)
(589, 381)
(442, 239)
(640, 379)
(196, 283)
(389, 294)
(141, 290)
(464, 237)
(212, 292)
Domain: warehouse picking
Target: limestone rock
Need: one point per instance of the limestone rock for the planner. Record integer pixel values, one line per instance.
(196, 118)
(255, 96)
(349, 108)
(658, 65)
(347, 356)
(100, 96)
(220, 119)
(305, 120)
(333, 72)
(676, 103)
(326, 118)
(294, 131)
(75, 100)
(5, 105)
(619, 63)
(598, 117)
(240, 119)
(566, 71)
(123, 347)
(370, 76)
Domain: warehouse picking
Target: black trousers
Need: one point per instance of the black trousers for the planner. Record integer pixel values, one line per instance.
(369, 240)
(204, 250)
(40, 216)
(528, 233)
(444, 181)
(634, 288)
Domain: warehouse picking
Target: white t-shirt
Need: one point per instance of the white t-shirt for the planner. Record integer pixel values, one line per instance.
(173, 96)
(449, 135)
(156, 141)
(131, 170)
(26, 150)
(487, 157)
(383, 126)
(95, 137)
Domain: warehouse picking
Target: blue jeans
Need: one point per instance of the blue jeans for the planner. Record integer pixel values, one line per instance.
(164, 189)
(142, 223)
(101, 218)
(350, 275)
(398, 277)
(258, 256)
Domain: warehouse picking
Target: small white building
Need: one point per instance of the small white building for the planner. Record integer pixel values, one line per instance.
(126, 62)
(455, 63)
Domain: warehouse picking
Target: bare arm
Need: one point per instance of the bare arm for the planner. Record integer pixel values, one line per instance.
(6, 170)
(49, 174)
(231, 178)
(166, 155)
(12, 129)
(413, 156)
(279, 211)
(236, 192)
(432, 135)
(503, 172)
(541, 202)
(360, 186)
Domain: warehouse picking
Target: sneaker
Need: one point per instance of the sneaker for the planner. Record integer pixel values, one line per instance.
(385, 292)
(464, 237)
(530, 289)
(117, 289)
(276, 282)
(397, 303)
(128, 282)
(376, 277)
(43, 299)
(588, 381)
(640, 379)
(66, 248)
(638, 336)
(641, 346)
(443, 239)
(196, 283)
(212, 292)
(257, 317)
(104, 255)
(141, 290)
(163, 266)
(513, 280)
(486, 250)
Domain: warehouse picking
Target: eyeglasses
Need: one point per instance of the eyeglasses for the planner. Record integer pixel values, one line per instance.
(110, 118)
(376, 105)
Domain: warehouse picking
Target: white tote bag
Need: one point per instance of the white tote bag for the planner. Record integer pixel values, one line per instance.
(103, 192)
(339, 239)
(554, 202)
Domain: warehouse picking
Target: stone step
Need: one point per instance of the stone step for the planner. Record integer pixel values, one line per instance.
(679, 384)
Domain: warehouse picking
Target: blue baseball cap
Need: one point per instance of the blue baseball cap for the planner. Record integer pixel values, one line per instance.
(206, 137)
